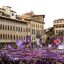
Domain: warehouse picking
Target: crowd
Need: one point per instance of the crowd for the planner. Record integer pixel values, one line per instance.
(38, 61)
(42, 55)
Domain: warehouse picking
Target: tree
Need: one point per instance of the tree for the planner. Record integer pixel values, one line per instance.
(48, 40)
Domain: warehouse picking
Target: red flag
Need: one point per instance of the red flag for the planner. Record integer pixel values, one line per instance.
(57, 41)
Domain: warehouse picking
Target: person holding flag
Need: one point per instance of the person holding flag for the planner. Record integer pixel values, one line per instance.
(19, 43)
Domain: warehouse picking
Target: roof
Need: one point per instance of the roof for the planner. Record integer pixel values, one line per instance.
(33, 15)
(34, 20)
(13, 19)
(59, 19)
(29, 13)
(7, 6)
(38, 15)
(13, 11)
(2, 9)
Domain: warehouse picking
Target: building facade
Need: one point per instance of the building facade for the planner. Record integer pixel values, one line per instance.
(35, 26)
(11, 28)
(57, 31)
(7, 12)
(58, 26)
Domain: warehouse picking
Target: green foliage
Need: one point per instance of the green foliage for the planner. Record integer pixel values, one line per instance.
(48, 40)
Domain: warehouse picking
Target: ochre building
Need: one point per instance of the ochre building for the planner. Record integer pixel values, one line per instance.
(58, 26)
(35, 26)
(11, 27)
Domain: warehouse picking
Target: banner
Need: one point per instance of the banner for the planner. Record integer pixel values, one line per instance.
(57, 41)
(19, 43)
(28, 39)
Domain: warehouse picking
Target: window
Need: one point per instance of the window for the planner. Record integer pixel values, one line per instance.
(42, 27)
(6, 36)
(56, 26)
(36, 25)
(34, 38)
(32, 31)
(59, 26)
(56, 31)
(62, 26)
(16, 29)
(3, 36)
(59, 31)
(62, 32)
(11, 36)
(0, 26)
(21, 29)
(17, 36)
(14, 36)
(0, 11)
(0, 36)
(37, 18)
(12, 14)
(24, 37)
(5, 27)
(28, 29)
(32, 25)
(8, 27)
(13, 28)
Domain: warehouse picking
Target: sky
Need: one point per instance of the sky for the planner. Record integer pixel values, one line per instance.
(52, 9)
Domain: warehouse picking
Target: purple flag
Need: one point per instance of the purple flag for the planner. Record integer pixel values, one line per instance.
(19, 43)
(28, 39)
(9, 46)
